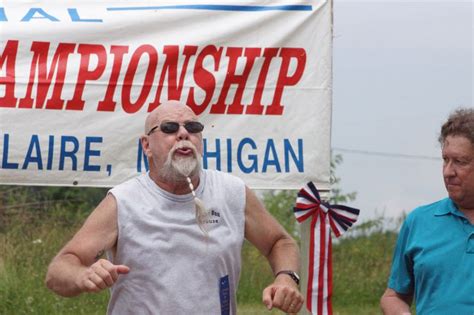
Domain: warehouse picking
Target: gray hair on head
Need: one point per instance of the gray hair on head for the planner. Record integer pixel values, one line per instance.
(459, 123)
(201, 212)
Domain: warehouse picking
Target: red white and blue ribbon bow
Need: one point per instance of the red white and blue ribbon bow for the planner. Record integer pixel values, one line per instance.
(324, 218)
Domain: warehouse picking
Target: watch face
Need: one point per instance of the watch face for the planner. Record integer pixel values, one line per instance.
(296, 276)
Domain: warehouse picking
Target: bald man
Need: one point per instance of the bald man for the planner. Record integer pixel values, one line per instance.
(173, 236)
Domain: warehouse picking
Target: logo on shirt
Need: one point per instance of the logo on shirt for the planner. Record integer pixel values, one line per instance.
(213, 217)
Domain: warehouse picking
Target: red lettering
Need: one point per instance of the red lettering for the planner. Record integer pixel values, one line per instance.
(204, 79)
(236, 106)
(48, 72)
(9, 57)
(58, 70)
(256, 107)
(86, 50)
(170, 67)
(108, 104)
(276, 108)
(128, 105)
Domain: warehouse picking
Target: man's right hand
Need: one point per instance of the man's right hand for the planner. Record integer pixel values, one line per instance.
(100, 275)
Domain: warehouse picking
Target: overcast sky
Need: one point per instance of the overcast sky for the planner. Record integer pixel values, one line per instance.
(400, 67)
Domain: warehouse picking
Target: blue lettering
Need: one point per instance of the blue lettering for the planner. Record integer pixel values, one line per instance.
(251, 157)
(229, 155)
(49, 165)
(141, 158)
(288, 149)
(88, 153)
(63, 154)
(216, 154)
(76, 18)
(5, 163)
(267, 159)
(109, 169)
(3, 16)
(29, 158)
(43, 15)
(246, 155)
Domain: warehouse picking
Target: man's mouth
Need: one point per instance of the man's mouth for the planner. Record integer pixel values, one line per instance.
(451, 185)
(184, 151)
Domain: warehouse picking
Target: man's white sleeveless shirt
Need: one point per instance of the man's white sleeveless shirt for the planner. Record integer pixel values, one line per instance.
(174, 268)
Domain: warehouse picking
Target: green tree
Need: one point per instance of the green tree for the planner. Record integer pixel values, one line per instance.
(32, 203)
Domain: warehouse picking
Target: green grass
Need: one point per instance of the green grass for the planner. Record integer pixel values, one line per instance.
(28, 245)
(361, 269)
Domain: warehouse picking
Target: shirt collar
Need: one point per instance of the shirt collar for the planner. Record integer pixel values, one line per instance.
(449, 207)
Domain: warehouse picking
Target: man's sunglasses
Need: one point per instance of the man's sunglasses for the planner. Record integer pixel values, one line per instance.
(171, 127)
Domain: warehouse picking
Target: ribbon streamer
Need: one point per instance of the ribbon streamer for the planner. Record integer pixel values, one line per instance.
(324, 218)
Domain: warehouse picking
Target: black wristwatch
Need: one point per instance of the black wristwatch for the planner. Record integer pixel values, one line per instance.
(291, 273)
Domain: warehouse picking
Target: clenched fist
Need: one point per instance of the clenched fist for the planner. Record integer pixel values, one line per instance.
(284, 295)
(100, 275)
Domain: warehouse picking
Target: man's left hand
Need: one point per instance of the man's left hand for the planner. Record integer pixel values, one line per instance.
(283, 294)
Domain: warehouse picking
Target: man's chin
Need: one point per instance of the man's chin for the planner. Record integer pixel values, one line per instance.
(186, 167)
(179, 156)
(455, 195)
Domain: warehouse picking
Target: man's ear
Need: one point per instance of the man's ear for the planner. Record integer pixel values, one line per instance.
(144, 141)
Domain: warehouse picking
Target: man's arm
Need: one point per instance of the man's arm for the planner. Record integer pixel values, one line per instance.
(77, 267)
(393, 303)
(282, 252)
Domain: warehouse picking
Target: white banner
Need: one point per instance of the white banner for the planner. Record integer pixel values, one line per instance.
(77, 79)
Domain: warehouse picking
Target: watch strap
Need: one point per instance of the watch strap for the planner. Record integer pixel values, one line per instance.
(290, 273)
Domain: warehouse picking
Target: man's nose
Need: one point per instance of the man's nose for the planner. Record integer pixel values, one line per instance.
(448, 169)
(182, 134)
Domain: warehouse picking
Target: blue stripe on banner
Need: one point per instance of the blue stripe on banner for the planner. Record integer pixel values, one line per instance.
(218, 7)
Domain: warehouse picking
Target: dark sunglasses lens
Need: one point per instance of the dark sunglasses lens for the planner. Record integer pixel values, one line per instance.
(193, 126)
(169, 127)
